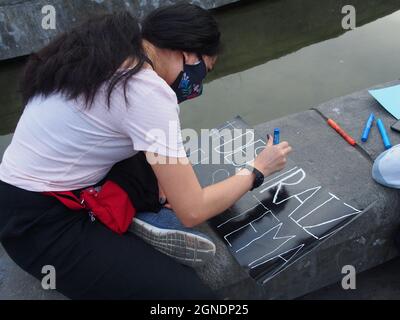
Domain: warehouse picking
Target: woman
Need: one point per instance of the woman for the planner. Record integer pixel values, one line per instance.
(93, 97)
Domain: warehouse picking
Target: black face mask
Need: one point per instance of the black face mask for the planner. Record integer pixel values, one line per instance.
(189, 83)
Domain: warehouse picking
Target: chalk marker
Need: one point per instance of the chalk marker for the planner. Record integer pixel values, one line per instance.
(367, 128)
(276, 135)
(343, 133)
(385, 137)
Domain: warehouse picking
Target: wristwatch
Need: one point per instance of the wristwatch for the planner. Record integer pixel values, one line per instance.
(259, 177)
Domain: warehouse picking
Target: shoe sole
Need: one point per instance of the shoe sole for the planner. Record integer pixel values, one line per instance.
(189, 249)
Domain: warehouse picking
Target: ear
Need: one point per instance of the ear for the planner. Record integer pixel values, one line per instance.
(210, 62)
(186, 55)
(190, 57)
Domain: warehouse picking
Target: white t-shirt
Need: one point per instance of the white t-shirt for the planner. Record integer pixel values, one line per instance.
(59, 146)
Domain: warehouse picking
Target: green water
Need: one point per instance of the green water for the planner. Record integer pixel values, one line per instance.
(280, 57)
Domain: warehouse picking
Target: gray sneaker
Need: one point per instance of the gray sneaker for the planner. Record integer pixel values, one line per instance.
(165, 232)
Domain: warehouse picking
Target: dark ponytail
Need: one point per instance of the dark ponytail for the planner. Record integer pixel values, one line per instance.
(78, 62)
(183, 26)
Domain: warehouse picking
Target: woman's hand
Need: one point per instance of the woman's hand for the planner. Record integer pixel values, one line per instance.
(194, 204)
(273, 158)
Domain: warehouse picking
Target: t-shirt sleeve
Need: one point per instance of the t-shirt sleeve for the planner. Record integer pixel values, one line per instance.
(152, 122)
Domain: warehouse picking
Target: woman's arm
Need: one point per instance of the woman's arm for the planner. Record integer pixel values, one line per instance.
(194, 204)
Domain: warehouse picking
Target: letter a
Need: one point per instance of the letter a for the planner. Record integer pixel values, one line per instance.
(49, 20)
(349, 280)
(49, 280)
(349, 20)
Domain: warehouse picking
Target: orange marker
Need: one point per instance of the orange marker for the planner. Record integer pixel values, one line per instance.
(343, 133)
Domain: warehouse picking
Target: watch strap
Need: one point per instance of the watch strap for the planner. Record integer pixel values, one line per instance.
(259, 177)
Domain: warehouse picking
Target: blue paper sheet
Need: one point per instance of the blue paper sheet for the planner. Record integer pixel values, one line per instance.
(389, 98)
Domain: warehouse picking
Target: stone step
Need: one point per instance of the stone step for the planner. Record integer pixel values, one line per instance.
(21, 30)
(345, 171)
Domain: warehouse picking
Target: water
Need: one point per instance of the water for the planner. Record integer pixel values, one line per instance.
(298, 73)
(280, 57)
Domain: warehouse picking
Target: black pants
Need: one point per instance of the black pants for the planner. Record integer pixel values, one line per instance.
(91, 262)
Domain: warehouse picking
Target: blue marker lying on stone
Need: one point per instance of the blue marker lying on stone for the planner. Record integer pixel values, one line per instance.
(367, 128)
(385, 137)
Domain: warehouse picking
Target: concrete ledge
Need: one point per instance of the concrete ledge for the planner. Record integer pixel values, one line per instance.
(353, 110)
(345, 171)
(16, 284)
(21, 29)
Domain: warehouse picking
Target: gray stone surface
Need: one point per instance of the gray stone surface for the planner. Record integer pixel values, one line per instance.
(380, 283)
(21, 29)
(352, 111)
(365, 243)
(16, 284)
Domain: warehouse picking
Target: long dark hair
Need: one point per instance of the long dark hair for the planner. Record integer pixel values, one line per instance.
(78, 62)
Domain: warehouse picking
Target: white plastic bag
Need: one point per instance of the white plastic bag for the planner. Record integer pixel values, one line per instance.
(386, 168)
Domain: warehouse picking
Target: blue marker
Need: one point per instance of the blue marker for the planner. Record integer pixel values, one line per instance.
(385, 137)
(367, 128)
(276, 135)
